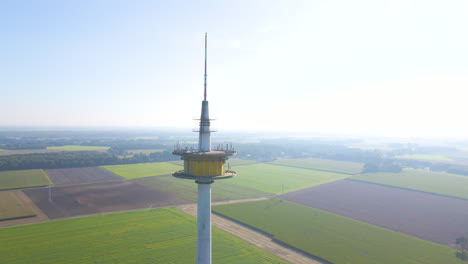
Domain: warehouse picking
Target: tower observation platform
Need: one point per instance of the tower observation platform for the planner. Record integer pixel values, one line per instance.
(204, 165)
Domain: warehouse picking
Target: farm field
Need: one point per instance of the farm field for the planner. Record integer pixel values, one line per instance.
(85, 199)
(421, 180)
(232, 161)
(80, 175)
(239, 162)
(11, 208)
(335, 238)
(150, 236)
(272, 178)
(430, 217)
(140, 170)
(23, 179)
(78, 148)
(187, 189)
(428, 157)
(346, 167)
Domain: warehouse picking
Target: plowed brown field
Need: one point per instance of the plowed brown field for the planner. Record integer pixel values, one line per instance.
(102, 197)
(430, 217)
(80, 175)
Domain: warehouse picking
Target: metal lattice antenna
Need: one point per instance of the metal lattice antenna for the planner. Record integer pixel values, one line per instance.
(206, 43)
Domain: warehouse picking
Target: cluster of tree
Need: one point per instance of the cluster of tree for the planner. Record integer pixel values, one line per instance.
(121, 147)
(30, 144)
(385, 165)
(450, 168)
(75, 159)
(462, 242)
(399, 149)
(152, 157)
(287, 148)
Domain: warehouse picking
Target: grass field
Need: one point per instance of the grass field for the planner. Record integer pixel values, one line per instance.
(273, 178)
(23, 179)
(140, 170)
(239, 162)
(323, 164)
(149, 236)
(77, 147)
(233, 162)
(425, 157)
(11, 208)
(335, 238)
(421, 180)
(187, 189)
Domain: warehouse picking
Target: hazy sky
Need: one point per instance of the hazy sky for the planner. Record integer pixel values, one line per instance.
(372, 67)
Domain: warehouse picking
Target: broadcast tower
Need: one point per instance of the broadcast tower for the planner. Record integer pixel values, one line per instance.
(204, 165)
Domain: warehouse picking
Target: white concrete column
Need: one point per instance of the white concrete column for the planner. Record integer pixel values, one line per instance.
(204, 224)
(204, 140)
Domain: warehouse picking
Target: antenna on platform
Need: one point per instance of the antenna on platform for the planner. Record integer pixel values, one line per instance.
(206, 44)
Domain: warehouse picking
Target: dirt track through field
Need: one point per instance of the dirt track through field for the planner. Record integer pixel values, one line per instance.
(250, 235)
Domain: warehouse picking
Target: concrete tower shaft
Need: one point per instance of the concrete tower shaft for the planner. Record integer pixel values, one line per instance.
(204, 138)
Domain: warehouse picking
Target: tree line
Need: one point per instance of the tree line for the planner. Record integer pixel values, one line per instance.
(76, 159)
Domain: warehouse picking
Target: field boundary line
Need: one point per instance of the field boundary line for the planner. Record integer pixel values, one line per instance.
(24, 188)
(311, 169)
(409, 189)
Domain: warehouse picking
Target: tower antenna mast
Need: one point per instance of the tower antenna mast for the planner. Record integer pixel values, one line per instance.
(206, 45)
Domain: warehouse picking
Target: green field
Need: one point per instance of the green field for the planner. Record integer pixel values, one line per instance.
(77, 147)
(421, 180)
(323, 164)
(186, 189)
(233, 162)
(273, 178)
(239, 162)
(23, 179)
(11, 208)
(149, 236)
(335, 238)
(425, 157)
(140, 170)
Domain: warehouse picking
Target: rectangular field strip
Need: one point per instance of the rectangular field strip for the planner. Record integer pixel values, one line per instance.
(433, 182)
(149, 236)
(23, 179)
(276, 179)
(232, 161)
(140, 170)
(11, 208)
(78, 148)
(187, 189)
(322, 164)
(335, 238)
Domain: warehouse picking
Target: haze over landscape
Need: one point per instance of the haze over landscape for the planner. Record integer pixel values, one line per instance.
(394, 68)
(342, 134)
